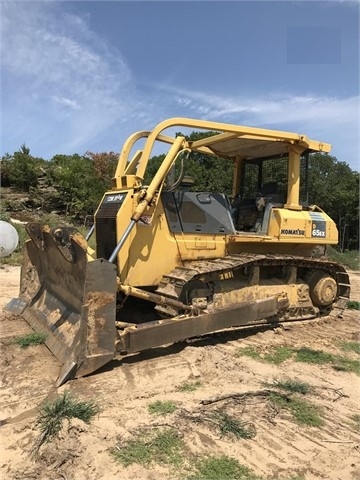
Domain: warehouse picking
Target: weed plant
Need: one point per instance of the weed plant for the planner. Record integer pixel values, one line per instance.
(356, 419)
(166, 447)
(248, 352)
(63, 407)
(338, 362)
(34, 338)
(277, 355)
(162, 408)
(163, 447)
(307, 355)
(305, 413)
(350, 347)
(343, 364)
(189, 386)
(221, 467)
(292, 386)
(230, 426)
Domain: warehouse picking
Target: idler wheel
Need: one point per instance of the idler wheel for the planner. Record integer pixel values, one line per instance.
(323, 289)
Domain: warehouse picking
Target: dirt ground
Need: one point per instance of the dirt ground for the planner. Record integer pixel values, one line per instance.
(125, 387)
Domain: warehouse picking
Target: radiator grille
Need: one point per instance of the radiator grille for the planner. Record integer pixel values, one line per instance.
(105, 225)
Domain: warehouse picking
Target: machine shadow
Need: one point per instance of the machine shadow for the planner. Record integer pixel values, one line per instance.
(217, 338)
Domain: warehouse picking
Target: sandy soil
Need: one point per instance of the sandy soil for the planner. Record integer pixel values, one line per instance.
(124, 389)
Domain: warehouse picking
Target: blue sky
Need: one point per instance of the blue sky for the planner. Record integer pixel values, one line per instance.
(80, 76)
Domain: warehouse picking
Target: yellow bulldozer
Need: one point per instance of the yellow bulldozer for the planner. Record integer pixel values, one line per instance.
(171, 263)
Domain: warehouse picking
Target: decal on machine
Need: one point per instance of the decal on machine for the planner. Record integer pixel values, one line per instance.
(117, 198)
(318, 229)
(318, 226)
(289, 231)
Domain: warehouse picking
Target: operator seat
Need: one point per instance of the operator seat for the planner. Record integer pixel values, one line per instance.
(270, 191)
(249, 212)
(269, 188)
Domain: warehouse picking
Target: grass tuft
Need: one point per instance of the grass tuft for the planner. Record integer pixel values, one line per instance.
(230, 426)
(189, 386)
(163, 447)
(248, 352)
(277, 355)
(339, 363)
(353, 305)
(343, 364)
(221, 467)
(350, 347)
(293, 386)
(356, 419)
(162, 408)
(63, 407)
(307, 355)
(34, 338)
(305, 413)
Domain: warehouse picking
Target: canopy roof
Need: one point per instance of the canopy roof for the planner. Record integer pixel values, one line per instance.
(231, 141)
(257, 143)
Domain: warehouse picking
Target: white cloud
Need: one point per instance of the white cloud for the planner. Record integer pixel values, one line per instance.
(272, 110)
(65, 101)
(329, 119)
(53, 66)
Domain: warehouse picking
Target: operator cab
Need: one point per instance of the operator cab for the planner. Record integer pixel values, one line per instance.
(198, 212)
(262, 186)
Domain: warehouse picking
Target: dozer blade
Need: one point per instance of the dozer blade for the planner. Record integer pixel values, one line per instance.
(69, 297)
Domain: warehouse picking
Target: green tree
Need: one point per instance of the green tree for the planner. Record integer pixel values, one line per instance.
(211, 173)
(335, 188)
(77, 181)
(152, 167)
(4, 170)
(21, 169)
(104, 166)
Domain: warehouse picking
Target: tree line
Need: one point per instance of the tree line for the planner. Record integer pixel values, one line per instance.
(80, 181)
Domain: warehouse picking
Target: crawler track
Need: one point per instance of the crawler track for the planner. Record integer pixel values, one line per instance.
(253, 268)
